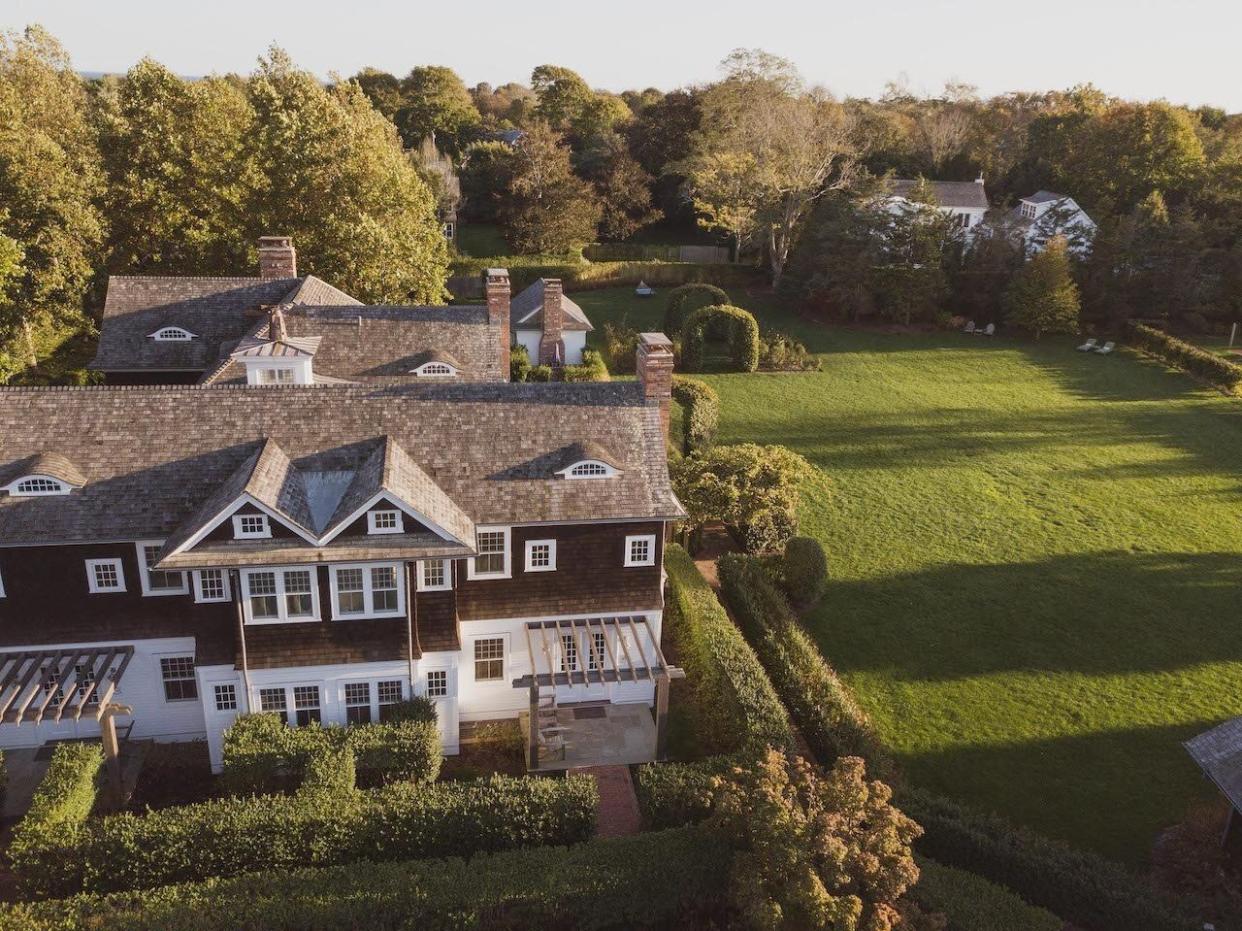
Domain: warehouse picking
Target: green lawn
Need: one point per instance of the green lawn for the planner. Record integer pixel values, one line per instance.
(1036, 558)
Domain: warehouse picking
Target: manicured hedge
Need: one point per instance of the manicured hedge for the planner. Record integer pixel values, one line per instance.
(1079, 886)
(519, 363)
(674, 794)
(1187, 357)
(827, 715)
(262, 754)
(685, 300)
(59, 809)
(228, 836)
(584, 276)
(742, 332)
(741, 709)
(700, 410)
(971, 903)
(804, 570)
(591, 369)
(667, 879)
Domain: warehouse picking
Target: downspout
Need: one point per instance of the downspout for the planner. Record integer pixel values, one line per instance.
(411, 616)
(235, 578)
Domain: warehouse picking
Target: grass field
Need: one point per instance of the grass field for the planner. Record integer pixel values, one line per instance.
(1036, 561)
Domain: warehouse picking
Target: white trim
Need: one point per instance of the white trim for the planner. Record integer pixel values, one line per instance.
(385, 494)
(568, 471)
(62, 487)
(650, 540)
(282, 604)
(451, 371)
(530, 546)
(228, 510)
(92, 584)
(470, 660)
(198, 586)
(420, 580)
(182, 335)
(367, 590)
(240, 533)
(399, 527)
(2, 584)
(448, 683)
(144, 573)
(472, 574)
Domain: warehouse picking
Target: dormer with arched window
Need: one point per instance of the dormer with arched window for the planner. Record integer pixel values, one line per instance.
(172, 334)
(43, 475)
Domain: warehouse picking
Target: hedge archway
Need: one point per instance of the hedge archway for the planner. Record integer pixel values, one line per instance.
(736, 325)
(686, 299)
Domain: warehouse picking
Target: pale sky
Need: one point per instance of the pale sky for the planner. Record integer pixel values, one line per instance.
(1182, 50)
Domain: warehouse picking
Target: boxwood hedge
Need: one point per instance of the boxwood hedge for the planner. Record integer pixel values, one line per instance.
(685, 300)
(972, 903)
(700, 411)
(738, 326)
(1187, 357)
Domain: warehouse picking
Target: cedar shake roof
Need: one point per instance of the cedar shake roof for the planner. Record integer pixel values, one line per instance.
(382, 344)
(294, 346)
(578, 452)
(948, 193)
(1043, 197)
(50, 464)
(215, 310)
(158, 458)
(526, 310)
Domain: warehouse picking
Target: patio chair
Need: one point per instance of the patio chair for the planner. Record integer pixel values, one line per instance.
(969, 328)
(1107, 348)
(643, 290)
(989, 330)
(552, 741)
(1088, 346)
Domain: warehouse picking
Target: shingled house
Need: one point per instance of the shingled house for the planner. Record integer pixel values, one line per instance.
(322, 551)
(965, 201)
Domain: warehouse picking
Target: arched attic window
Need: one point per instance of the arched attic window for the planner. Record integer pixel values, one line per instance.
(172, 334)
(435, 370)
(31, 486)
(589, 468)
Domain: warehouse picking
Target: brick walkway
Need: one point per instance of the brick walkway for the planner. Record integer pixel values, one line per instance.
(617, 815)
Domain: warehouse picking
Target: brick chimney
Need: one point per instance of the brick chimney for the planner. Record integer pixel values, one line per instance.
(276, 331)
(277, 258)
(496, 290)
(654, 364)
(552, 343)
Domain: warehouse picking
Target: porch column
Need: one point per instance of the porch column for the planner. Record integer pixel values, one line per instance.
(661, 710)
(533, 747)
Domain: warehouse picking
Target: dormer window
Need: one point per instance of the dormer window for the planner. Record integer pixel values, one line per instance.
(589, 468)
(1028, 211)
(172, 334)
(276, 376)
(251, 527)
(32, 486)
(384, 522)
(435, 370)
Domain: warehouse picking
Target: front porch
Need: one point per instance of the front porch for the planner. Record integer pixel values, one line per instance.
(593, 734)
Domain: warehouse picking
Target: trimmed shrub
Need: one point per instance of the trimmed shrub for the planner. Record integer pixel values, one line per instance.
(742, 710)
(584, 276)
(45, 839)
(829, 718)
(686, 299)
(674, 794)
(781, 353)
(700, 412)
(669, 879)
(591, 369)
(519, 363)
(804, 570)
(1191, 359)
(1079, 886)
(540, 373)
(228, 836)
(736, 325)
(971, 903)
(329, 772)
(620, 348)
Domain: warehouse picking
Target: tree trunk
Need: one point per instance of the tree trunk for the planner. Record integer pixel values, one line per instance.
(31, 357)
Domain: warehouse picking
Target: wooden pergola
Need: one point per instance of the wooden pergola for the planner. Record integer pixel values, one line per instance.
(605, 650)
(38, 686)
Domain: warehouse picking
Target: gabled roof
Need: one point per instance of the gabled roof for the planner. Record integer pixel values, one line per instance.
(251, 347)
(526, 310)
(961, 194)
(1045, 197)
(1219, 754)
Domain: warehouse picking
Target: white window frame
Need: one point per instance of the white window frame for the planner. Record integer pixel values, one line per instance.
(192, 677)
(372, 526)
(240, 534)
(504, 659)
(144, 573)
(440, 670)
(650, 540)
(199, 598)
(172, 334)
(282, 602)
(530, 551)
(471, 570)
(595, 465)
(230, 688)
(421, 576)
(92, 583)
(435, 370)
(367, 591)
(14, 487)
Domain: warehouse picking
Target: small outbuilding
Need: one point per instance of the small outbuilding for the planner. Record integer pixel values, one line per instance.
(1219, 754)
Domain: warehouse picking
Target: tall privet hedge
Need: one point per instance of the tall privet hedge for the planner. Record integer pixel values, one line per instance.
(1190, 358)
(686, 299)
(44, 839)
(700, 408)
(740, 327)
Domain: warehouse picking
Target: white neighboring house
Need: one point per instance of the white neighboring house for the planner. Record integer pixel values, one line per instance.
(966, 201)
(1046, 214)
(547, 322)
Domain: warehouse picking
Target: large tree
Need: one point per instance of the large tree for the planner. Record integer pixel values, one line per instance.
(1043, 297)
(622, 185)
(550, 210)
(49, 182)
(435, 101)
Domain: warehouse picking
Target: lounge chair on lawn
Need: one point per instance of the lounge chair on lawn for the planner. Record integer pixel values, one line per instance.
(1107, 348)
(989, 330)
(1088, 346)
(969, 328)
(644, 290)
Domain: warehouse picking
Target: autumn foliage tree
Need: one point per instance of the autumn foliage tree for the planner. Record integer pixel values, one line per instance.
(550, 209)
(1043, 297)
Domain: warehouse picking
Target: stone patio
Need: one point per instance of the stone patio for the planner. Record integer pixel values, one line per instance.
(598, 735)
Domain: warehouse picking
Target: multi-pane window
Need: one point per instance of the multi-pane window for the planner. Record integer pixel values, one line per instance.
(211, 585)
(1028, 211)
(489, 659)
(640, 551)
(251, 526)
(178, 675)
(40, 486)
(274, 702)
(540, 555)
(157, 581)
(589, 470)
(85, 676)
(226, 697)
(389, 693)
(384, 522)
(437, 683)
(276, 376)
(358, 702)
(493, 558)
(105, 575)
(306, 704)
(596, 659)
(173, 334)
(363, 591)
(433, 575)
(569, 653)
(280, 594)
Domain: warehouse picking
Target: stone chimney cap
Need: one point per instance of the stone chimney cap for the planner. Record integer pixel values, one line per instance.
(657, 341)
(275, 242)
(497, 273)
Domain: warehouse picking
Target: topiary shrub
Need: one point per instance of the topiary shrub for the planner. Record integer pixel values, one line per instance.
(700, 412)
(591, 369)
(519, 363)
(781, 353)
(686, 299)
(804, 570)
(736, 325)
(540, 373)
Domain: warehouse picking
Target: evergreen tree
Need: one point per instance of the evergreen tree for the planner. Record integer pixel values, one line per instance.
(1042, 297)
(551, 210)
